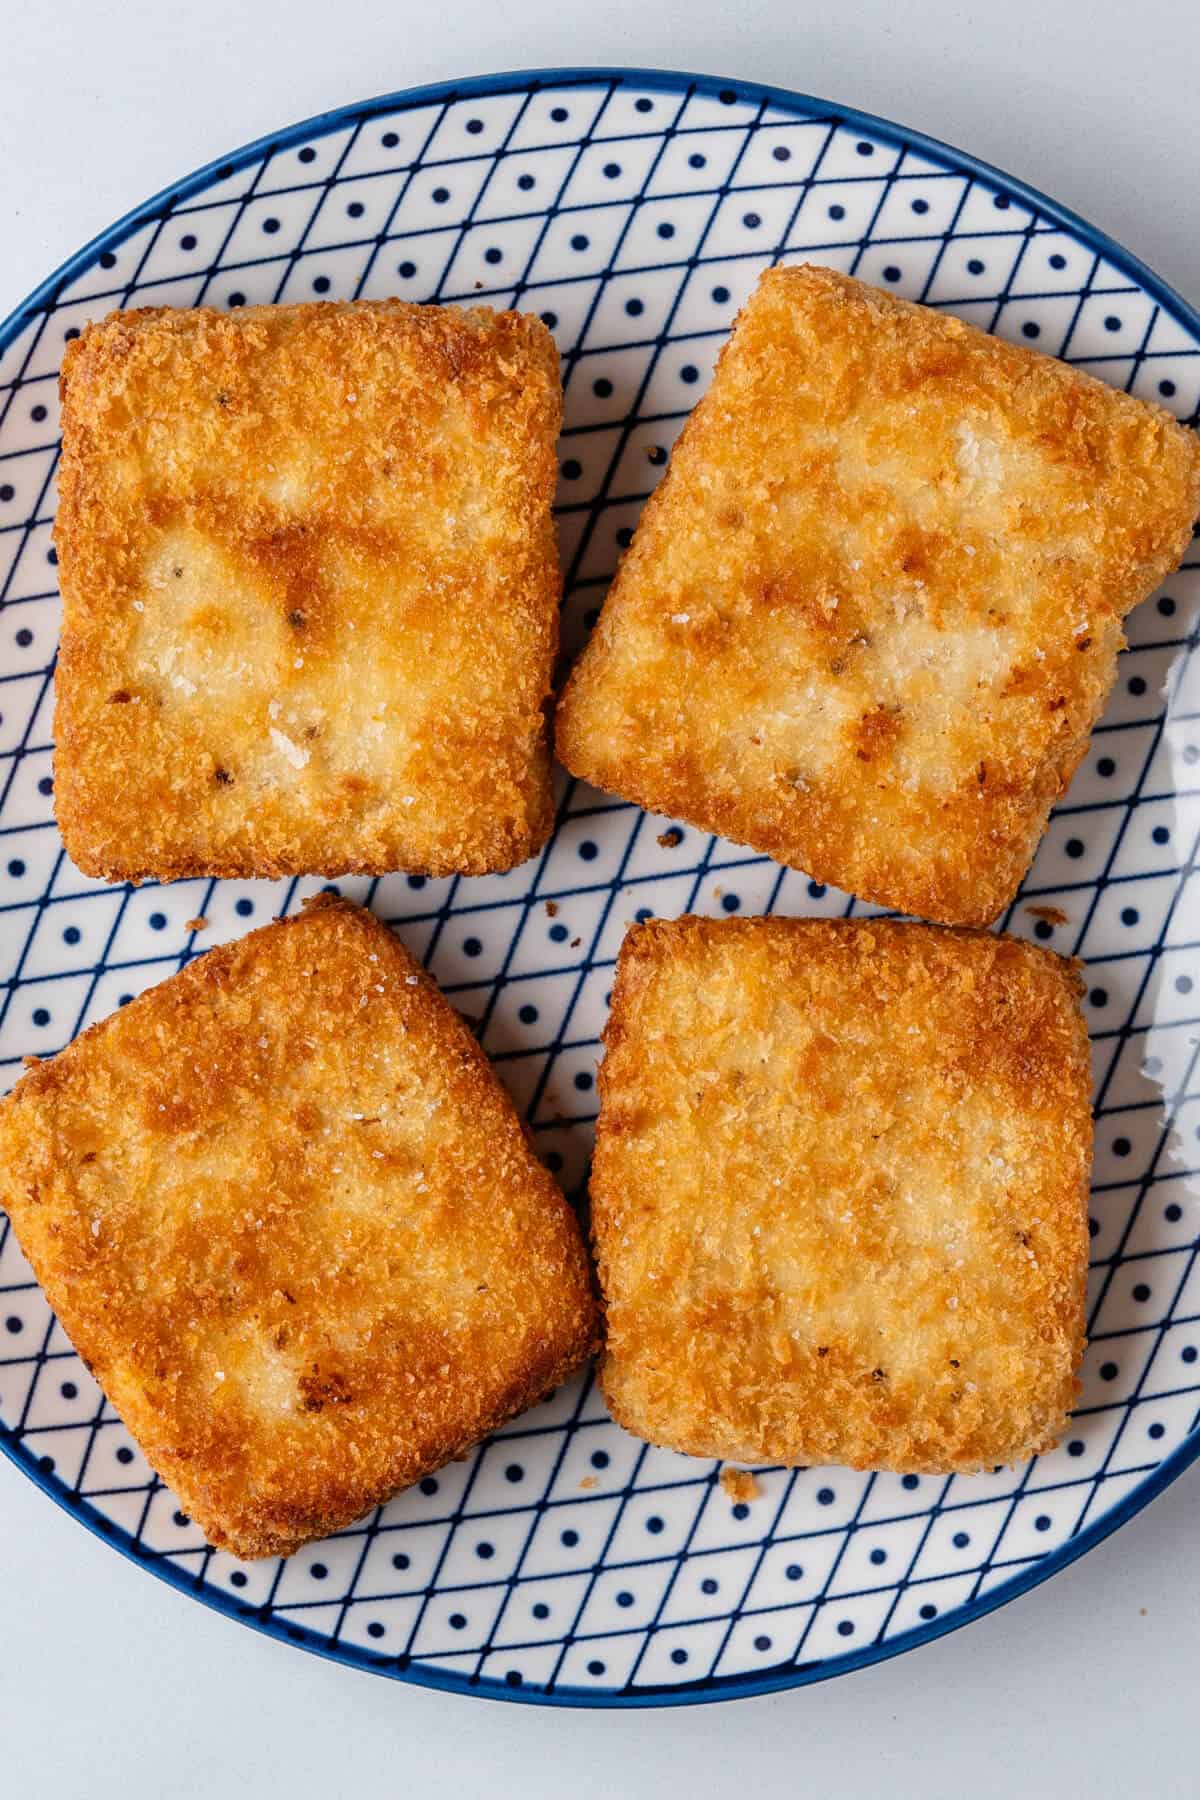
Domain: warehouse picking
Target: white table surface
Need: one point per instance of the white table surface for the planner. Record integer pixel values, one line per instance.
(112, 1684)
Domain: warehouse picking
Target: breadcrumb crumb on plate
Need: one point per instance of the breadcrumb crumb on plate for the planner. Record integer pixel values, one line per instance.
(873, 610)
(740, 1484)
(285, 1211)
(310, 591)
(839, 1195)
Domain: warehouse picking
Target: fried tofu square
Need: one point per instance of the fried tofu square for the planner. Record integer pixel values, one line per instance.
(286, 1213)
(871, 614)
(310, 589)
(839, 1195)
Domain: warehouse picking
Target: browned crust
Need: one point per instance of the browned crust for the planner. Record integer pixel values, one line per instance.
(839, 1195)
(872, 612)
(310, 591)
(287, 1215)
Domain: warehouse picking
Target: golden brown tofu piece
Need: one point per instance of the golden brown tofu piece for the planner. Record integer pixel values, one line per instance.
(872, 613)
(285, 1211)
(310, 587)
(840, 1193)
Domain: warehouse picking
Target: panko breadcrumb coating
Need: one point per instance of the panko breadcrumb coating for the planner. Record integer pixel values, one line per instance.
(310, 591)
(870, 616)
(289, 1218)
(839, 1195)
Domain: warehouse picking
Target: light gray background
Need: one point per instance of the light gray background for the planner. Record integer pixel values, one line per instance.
(110, 1683)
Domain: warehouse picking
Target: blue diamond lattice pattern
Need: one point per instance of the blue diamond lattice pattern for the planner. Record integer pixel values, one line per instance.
(564, 1560)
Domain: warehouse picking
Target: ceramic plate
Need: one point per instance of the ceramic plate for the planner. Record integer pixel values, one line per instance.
(565, 1561)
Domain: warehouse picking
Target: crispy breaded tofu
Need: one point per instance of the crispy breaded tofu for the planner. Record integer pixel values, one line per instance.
(840, 1193)
(872, 613)
(310, 587)
(286, 1213)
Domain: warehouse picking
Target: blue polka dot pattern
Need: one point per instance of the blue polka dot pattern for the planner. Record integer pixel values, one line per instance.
(543, 194)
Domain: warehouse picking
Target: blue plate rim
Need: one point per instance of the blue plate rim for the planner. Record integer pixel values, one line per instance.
(709, 1688)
